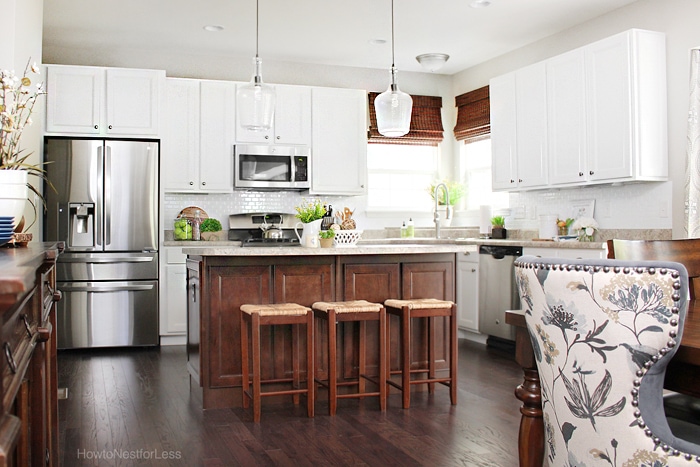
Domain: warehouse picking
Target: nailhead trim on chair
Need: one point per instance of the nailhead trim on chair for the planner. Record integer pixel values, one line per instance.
(655, 358)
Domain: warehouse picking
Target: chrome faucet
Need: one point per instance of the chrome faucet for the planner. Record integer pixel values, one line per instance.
(448, 212)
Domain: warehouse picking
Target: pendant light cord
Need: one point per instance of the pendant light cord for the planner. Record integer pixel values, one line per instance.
(393, 64)
(257, 25)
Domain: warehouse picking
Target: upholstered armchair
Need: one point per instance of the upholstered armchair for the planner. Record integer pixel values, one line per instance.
(603, 332)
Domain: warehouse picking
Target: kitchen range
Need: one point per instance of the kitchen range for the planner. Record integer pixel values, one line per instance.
(263, 229)
(105, 210)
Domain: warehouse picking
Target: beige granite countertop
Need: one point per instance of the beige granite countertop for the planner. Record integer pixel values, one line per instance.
(371, 247)
(364, 249)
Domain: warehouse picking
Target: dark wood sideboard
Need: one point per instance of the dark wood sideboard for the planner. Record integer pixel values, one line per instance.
(28, 296)
(218, 285)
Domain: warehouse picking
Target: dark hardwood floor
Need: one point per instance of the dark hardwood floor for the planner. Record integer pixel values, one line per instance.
(132, 407)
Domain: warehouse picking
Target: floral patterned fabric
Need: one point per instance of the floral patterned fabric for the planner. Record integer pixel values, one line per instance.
(603, 332)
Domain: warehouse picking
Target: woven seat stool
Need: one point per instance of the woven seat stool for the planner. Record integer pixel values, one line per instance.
(255, 316)
(360, 311)
(428, 308)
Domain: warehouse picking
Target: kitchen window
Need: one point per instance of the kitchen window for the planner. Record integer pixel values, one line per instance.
(475, 164)
(399, 177)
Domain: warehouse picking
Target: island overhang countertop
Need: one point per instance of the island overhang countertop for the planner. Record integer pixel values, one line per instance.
(373, 247)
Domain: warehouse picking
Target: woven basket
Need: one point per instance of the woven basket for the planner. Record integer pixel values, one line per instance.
(346, 238)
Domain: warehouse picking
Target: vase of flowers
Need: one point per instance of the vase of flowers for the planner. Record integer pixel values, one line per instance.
(585, 228)
(17, 100)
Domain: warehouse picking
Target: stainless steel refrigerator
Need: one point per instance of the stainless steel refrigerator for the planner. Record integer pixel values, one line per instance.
(106, 212)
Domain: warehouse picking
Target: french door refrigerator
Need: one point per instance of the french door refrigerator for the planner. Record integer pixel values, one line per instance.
(106, 212)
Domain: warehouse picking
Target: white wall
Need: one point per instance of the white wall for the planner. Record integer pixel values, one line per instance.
(678, 20)
(20, 40)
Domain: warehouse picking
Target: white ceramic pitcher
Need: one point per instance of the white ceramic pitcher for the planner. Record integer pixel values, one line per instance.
(309, 233)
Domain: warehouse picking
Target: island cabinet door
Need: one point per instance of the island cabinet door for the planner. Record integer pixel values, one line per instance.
(374, 283)
(429, 280)
(303, 284)
(229, 287)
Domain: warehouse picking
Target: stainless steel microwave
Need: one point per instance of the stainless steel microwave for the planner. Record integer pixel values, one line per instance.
(271, 167)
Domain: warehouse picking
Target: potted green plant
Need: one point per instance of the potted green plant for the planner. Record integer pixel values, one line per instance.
(498, 229)
(310, 212)
(326, 238)
(210, 230)
(17, 101)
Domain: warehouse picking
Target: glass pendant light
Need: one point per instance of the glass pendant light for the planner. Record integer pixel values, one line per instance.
(393, 107)
(255, 101)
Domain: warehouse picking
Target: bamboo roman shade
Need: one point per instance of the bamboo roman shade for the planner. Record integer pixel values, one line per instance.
(473, 115)
(426, 123)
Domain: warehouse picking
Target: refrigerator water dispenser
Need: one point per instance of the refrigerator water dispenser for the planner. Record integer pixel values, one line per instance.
(82, 224)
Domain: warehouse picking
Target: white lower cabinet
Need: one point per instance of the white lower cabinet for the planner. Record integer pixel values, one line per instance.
(468, 290)
(173, 296)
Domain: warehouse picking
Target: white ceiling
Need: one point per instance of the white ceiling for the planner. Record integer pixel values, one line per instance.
(331, 32)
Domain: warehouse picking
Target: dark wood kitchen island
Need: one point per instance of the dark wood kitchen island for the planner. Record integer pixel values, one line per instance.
(220, 279)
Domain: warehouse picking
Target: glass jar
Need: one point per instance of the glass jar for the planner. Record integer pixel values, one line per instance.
(182, 229)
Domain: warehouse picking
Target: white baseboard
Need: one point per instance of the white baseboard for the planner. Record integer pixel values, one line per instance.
(173, 340)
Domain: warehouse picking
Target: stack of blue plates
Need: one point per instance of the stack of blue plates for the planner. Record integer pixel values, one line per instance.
(7, 226)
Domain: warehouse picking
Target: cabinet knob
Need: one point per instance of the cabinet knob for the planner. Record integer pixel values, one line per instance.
(520, 180)
(96, 127)
(591, 172)
(580, 174)
(110, 127)
(191, 183)
(204, 183)
(512, 181)
(278, 137)
(267, 137)
(44, 333)
(473, 269)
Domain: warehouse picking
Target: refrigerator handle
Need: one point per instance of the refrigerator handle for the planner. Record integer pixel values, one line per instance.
(100, 191)
(108, 195)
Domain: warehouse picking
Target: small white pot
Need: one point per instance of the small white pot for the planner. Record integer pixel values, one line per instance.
(14, 193)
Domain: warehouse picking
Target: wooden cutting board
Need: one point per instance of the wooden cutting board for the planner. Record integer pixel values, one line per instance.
(189, 211)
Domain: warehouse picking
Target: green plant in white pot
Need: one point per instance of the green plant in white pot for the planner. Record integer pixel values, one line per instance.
(18, 96)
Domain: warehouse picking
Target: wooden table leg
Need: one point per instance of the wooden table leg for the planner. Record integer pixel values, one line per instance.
(531, 436)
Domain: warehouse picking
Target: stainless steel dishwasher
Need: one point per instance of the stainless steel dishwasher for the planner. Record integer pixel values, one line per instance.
(497, 290)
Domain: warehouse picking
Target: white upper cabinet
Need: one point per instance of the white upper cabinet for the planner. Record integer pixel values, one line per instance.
(103, 101)
(566, 123)
(198, 136)
(339, 142)
(605, 117)
(217, 123)
(519, 129)
(626, 97)
(292, 121)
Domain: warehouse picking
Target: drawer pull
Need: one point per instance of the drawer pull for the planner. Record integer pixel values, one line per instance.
(25, 320)
(10, 359)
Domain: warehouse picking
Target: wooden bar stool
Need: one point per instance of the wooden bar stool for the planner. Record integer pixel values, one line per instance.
(272, 315)
(429, 308)
(360, 311)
